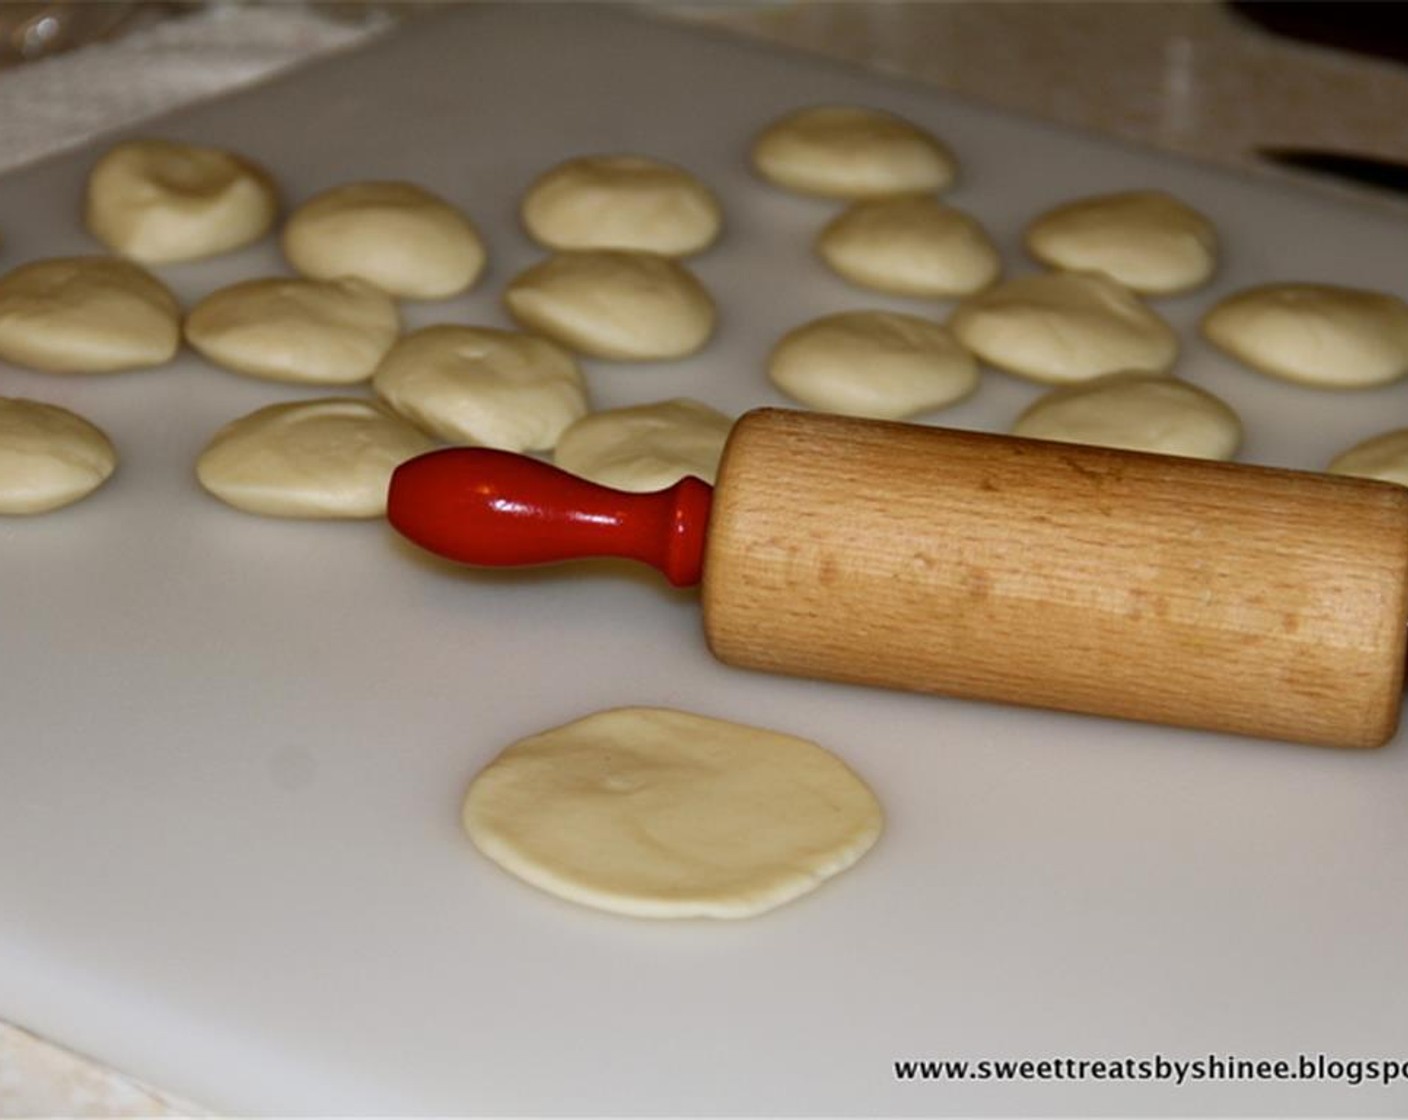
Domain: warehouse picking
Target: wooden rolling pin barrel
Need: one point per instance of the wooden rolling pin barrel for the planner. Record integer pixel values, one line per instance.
(1252, 600)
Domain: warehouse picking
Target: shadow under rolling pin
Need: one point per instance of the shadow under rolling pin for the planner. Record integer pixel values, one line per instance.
(1224, 597)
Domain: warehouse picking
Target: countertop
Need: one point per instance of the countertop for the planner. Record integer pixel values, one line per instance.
(1191, 78)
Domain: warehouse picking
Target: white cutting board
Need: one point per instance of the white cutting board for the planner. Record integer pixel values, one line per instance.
(232, 750)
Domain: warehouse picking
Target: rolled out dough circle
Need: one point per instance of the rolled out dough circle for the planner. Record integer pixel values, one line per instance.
(664, 814)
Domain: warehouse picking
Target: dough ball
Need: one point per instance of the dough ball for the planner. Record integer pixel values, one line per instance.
(322, 458)
(1315, 334)
(622, 202)
(1138, 412)
(839, 151)
(611, 303)
(1147, 240)
(86, 315)
(910, 245)
(646, 447)
(49, 457)
(158, 201)
(397, 236)
(1384, 457)
(474, 385)
(663, 814)
(873, 363)
(1059, 327)
(322, 332)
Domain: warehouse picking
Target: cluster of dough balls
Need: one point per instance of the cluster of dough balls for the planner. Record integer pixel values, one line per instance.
(1083, 320)
(1082, 327)
(613, 287)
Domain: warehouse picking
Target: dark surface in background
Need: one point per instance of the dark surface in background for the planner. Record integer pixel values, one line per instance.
(1374, 28)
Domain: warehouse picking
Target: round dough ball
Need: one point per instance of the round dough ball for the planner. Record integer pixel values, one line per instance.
(320, 332)
(49, 457)
(611, 303)
(475, 385)
(323, 458)
(622, 202)
(656, 813)
(911, 245)
(1384, 457)
(1315, 334)
(646, 447)
(838, 151)
(878, 364)
(1059, 327)
(1137, 412)
(86, 315)
(397, 236)
(158, 201)
(1147, 240)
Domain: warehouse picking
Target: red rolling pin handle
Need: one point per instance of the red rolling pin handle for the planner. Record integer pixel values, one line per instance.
(497, 509)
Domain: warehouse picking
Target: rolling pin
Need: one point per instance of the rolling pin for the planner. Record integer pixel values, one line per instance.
(1251, 600)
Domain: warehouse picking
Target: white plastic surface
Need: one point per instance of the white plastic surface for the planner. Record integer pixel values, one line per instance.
(232, 750)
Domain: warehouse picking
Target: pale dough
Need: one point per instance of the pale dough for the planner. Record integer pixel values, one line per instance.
(321, 458)
(839, 151)
(645, 447)
(1316, 334)
(879, 364)
(1137, 412)
(622, 202)
(1384, 457)
(86, 315)
(49, 457)
(322, 332)
(655, 813)
(476, 385)
(611, 303)
(1059, 327)
(911, 245)
(1147, 240)
(158, 201)
(398, 236)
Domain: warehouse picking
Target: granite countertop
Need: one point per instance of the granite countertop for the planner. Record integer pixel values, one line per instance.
(1191, 77)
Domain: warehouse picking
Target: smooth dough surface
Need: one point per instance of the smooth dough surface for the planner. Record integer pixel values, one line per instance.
(879, 364)
(843, 151)
(910, 245)
(321, 332)
(622, 202)
(610, 303)
(398, 236)
(1147, 240)
(49, 457)
(322, 458)
(158, 201)
(1384, 457)
(657, 813)
(1137, 412)
(1059, 327)
(476, 385)
(1315, 334)
(645, 447)
(86, 315)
